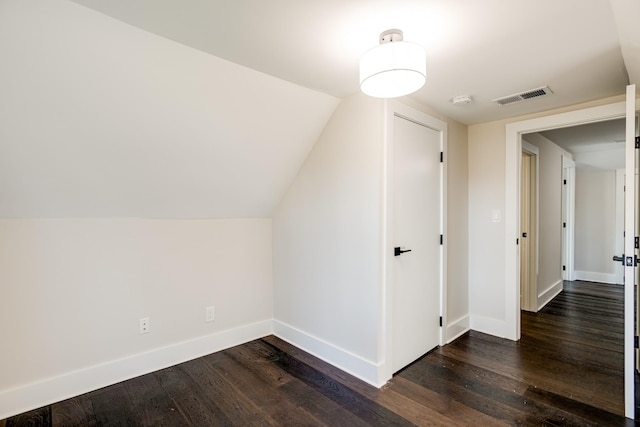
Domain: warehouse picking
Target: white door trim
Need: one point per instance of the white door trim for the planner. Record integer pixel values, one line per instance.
(513, 149)
(394, 108)
(568, 253)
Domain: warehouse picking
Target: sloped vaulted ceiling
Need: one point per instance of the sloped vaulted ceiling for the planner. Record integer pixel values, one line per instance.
(101, 119)
(487, 49)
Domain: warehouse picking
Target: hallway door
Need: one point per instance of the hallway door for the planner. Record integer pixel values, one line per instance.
(528, 229)
(417, 224)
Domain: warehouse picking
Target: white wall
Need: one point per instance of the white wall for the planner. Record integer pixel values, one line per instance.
(595, 225)
(74, 289)
(327, 233)
(486, 238)
(102, 119)
(549, 217)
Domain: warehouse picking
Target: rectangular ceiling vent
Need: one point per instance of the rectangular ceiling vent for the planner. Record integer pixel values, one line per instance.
(523, 96)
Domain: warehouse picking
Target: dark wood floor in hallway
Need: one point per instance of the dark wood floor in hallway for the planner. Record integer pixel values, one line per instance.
(565, 371)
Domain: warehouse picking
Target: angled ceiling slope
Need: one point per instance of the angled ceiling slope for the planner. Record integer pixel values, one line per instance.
(485, 49)
(102, 119)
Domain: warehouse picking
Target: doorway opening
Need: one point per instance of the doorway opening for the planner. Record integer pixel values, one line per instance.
(514, 132)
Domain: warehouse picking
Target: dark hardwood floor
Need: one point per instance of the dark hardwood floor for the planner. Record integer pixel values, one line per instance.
(565, 371)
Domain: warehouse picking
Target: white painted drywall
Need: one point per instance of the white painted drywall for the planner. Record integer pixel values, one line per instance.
(486, 238)
(74, 289)
(595, 225)
(327, 233)
(99, 118)
(549, 212)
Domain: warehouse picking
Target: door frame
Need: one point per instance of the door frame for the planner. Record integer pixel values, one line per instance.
(393, 108)
(531, 299)
(513, 149)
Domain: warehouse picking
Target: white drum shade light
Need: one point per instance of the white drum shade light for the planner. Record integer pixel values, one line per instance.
(393, 68)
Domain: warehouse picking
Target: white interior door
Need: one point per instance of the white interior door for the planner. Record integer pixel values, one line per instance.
(417, 210)
(630, 222)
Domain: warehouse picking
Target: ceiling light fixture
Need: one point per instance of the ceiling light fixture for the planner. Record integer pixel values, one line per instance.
(393, 68)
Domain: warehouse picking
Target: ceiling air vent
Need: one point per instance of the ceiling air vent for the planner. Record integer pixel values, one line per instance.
(522, 96)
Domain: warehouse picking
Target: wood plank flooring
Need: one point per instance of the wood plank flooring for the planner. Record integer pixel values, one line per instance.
(565, 371)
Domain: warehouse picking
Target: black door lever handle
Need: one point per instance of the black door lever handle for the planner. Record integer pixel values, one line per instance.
(397, 251)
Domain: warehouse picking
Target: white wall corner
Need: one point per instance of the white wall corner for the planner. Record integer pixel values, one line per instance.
(368, 371)
(457, 328)
(489, 325)
(55, 389)
(549, 294)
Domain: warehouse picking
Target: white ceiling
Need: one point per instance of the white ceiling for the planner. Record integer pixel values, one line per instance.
(598, 145)
(589, 137)
(486, 49)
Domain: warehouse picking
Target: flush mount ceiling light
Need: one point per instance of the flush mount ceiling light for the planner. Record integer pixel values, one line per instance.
(393, 68)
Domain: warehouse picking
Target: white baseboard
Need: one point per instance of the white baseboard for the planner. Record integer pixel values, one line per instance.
(35, 395)
(592, 276)
(489, 325)
(365, 370)
(457, 328)
(549, 294)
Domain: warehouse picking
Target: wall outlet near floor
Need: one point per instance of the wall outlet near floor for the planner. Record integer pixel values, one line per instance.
(209, 314)
(144, 327)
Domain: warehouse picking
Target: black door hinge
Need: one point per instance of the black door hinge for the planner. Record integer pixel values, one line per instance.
(564, 268)
(564, 225)
(441, 239)
(636, 242)
(441, 322)
(635, 342)
(565, 182)
(442, 157)
(517, 241)
(637, 141)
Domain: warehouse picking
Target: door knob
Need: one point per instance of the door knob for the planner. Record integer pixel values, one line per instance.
(397, 251)
(619, 259)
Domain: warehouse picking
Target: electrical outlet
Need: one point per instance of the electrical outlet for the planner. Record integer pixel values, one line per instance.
(209, 314)
(144, 326)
